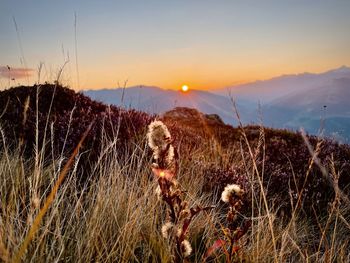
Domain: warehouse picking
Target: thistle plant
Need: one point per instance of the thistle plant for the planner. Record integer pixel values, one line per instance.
(179, 214)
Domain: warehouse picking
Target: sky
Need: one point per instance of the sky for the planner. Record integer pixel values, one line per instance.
(167, 43)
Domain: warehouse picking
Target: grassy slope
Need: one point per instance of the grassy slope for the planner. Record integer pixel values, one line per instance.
(118, 217)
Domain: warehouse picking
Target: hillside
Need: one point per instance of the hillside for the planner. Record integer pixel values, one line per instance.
(71, 113)
(283, 159)
(63, 117)
(118, 211)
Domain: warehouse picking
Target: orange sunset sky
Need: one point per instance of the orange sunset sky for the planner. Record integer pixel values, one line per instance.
(204, 44)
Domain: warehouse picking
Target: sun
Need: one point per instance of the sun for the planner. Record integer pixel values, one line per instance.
(184, 88)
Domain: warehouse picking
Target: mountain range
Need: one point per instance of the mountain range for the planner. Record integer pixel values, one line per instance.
(315, 102)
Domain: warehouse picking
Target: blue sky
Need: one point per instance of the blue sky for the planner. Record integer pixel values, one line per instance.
(205, 44)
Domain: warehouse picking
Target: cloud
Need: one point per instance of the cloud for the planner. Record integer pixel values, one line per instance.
(15, 73)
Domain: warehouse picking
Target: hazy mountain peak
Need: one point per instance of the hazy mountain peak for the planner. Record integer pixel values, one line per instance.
(342, 69)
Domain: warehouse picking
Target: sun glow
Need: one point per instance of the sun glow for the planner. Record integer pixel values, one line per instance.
(184, 88)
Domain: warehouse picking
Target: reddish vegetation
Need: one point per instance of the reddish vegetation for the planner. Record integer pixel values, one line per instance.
(104, 120)
(282, 158)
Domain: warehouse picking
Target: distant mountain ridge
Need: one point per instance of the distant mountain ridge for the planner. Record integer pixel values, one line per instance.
(307, 100)
(266, 91)
(155, 100)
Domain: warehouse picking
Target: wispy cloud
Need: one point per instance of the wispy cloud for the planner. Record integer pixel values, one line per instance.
(15, 73)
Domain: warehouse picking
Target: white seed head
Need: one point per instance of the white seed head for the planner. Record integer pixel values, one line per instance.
(229, 190)
(157, 135)
(186, 248)
(166, 228)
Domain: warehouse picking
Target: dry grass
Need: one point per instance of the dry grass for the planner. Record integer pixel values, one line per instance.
(117, 217)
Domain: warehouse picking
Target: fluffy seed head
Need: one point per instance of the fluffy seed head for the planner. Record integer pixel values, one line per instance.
(158, 135)
(166, 228)
(229, 191)
(186, 248)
